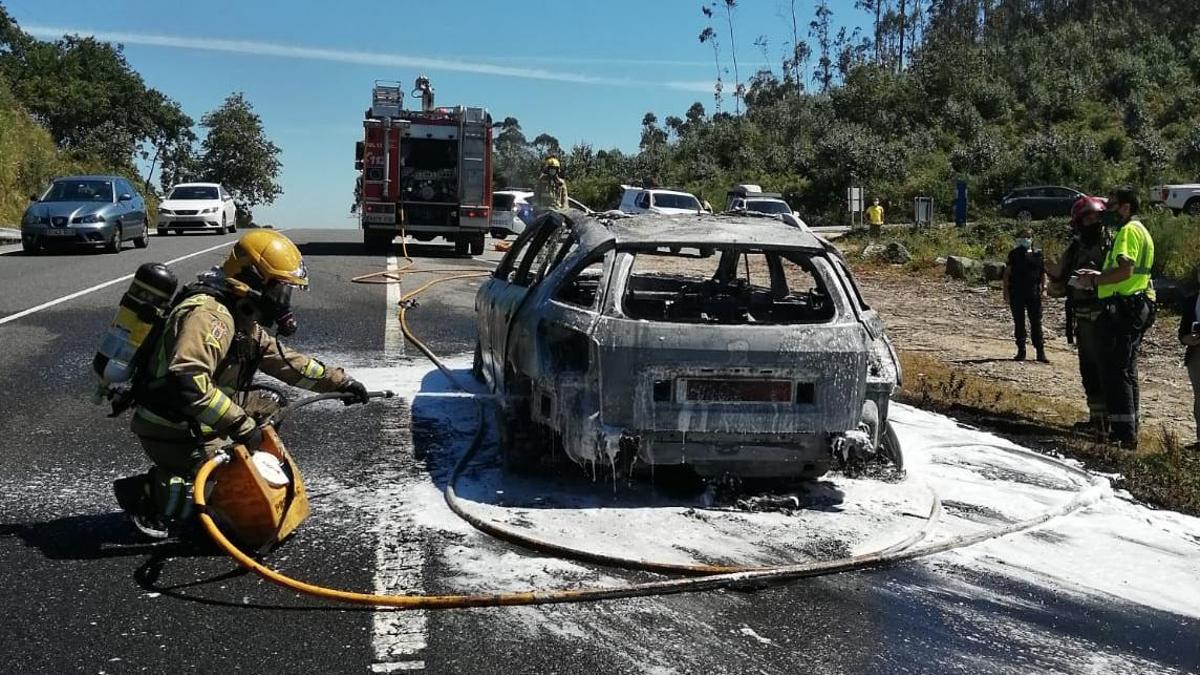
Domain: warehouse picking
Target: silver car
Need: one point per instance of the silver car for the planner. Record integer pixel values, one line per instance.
(89, 210)
(732, 344)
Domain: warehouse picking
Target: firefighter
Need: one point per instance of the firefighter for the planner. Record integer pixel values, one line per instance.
(1124, 286)
(1087, 250)
(1024, 285)
(195, 394)
(551, 189)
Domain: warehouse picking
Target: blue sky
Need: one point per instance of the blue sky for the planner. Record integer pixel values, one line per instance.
(582, 71)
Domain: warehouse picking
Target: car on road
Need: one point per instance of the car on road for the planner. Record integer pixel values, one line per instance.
(658, 200)
(1179, 198)
(748, 352)
(197, 206)
(512, 211)
(1039, 202)
(85, 210)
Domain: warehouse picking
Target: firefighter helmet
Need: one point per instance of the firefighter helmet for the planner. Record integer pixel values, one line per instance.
(263, 256)
(553, 163)
(1085, 205)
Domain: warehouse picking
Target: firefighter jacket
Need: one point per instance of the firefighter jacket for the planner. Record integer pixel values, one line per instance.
(1082, 253)
(202, 366)
(551, 192)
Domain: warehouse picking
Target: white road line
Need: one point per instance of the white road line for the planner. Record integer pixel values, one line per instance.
(393, 338)
(398, 639)
(97, 287)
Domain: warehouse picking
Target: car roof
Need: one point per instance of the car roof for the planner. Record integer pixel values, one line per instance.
(196, 185)
(88, 177)
(708, 229)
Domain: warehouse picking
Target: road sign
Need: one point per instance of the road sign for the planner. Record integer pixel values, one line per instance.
(923, 211)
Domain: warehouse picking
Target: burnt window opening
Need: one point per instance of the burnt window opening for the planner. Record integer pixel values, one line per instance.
(582, 288)
(806, 393)
(734, 286)
(663, 390)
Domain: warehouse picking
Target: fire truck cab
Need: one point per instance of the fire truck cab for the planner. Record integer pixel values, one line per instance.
(425, 173)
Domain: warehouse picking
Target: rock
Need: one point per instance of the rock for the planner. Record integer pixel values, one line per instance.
(872, 251)
(893, 252)
(993, 271)
(961, 267)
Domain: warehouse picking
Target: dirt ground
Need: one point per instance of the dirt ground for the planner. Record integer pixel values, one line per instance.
(969, 326)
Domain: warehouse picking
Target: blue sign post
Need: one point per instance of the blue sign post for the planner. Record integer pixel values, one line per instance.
(960, 203)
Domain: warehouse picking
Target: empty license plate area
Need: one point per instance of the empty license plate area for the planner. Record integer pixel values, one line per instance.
(721, 390)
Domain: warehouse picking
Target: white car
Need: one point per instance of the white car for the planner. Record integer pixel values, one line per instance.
(512, 211)
(197, 206)
(658, 200)
(1180, 198)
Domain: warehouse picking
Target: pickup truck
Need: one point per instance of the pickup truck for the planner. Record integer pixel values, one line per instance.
(1181, 198)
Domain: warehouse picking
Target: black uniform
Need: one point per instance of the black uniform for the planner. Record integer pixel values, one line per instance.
(1025, 295)
(1087, 250)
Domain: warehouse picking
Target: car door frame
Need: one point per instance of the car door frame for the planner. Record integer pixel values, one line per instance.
(501, 295)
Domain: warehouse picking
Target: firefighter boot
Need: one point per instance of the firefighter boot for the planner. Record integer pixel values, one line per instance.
(133, 496)
(1041, 355)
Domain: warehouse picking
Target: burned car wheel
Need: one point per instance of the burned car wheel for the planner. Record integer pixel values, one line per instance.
(477, 363)
(523, 445)
(889, 447)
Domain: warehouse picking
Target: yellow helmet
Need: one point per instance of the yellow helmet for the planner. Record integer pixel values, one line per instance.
(264, 256)
(553, 163)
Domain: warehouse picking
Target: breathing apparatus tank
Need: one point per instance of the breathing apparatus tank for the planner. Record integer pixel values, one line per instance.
(143, 307)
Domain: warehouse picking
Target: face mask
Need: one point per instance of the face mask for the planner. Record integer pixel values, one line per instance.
(1112, 219)
(277, 308)
(1025, 242)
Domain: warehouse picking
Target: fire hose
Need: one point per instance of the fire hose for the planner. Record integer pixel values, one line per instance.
(698, 577)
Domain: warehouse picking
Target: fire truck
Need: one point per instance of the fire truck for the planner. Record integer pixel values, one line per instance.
(423, 173)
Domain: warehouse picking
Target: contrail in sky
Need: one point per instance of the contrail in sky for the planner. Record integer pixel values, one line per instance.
(418, 63)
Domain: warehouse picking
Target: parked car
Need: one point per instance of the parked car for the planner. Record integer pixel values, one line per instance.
(757, 359)
(1039, 202)
(1180, 198)
(752, 198)
(85, 210)
(512, 211)
(197, 206)
(658, 200)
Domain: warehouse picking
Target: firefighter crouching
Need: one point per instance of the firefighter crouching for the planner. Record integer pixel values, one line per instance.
(1086, 250)
(1124, 286)
(551, 190)
(195, 393)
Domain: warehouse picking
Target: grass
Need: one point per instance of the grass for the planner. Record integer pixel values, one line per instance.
(1161, 472)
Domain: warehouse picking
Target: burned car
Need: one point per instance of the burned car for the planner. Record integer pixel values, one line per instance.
(739, 346)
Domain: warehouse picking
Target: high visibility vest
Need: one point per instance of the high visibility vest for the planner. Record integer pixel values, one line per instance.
(1133, 241)
(875, 215)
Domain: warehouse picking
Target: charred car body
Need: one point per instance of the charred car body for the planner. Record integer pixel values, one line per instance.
(734, 345)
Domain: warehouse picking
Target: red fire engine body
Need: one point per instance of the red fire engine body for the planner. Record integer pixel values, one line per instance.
(425, 173)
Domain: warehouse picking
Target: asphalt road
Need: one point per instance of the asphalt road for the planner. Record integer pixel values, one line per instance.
(81, 594)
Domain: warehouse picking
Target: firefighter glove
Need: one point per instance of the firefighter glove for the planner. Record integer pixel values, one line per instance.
(252, 439)
(357, 391)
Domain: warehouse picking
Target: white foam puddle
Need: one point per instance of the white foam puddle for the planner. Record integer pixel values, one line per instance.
(1107, 548)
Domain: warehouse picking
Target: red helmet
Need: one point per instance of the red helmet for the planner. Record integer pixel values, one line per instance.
(1085, 205)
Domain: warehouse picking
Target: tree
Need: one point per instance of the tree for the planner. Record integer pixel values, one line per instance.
(709, 36)
(237, 153)
(819, 29)
(738, 91)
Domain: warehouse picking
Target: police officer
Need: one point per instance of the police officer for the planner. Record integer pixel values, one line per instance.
(551, 190)
(195, 395)
(1087, 250)
(1124, 286)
